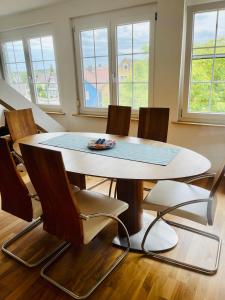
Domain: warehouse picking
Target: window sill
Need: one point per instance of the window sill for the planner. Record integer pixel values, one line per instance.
(198, 124)
(98, 116)
(55, 113)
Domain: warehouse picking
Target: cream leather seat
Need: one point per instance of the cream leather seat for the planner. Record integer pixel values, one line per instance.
(91, 202)
(170, 193)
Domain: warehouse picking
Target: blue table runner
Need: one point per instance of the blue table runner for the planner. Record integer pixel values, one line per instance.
(130, 151)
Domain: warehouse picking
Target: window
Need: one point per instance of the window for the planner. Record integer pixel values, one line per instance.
(15, 67)
(113, 52)
(95, 67)
(204, 97)
(29, 67)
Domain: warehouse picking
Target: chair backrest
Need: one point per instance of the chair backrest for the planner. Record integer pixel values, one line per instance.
(20, 123)
(118, 120)
(217, 179)
(14, 193)
(60, 213)
(153, 123)
(211, 209)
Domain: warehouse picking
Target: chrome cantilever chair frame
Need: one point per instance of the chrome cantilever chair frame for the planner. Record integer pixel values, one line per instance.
(22, 233)
(188, 228)
(68, 244)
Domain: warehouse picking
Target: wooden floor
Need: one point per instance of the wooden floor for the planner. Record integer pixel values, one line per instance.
(137, 278)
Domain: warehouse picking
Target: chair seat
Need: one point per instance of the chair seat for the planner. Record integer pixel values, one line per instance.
(168, 193)
(92, 202)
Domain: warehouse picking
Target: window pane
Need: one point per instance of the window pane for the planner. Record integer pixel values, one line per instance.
(133, 69)
(50, 71)
(89, 69)
(41, 93)
(125, 68)
(35, 49)
(53, 94)
(11, 71)
(103, 95)
(125, 94)
(101, 42)
(95, 67)
(38, 72)
(141, 37)
(8, 52)
(22, 73)
(218, 98)
(15, 67)
(140, 95)
(91, 95)
(199, 97)
(221, 29)
(19, 53)
(87, 43)
(202, 69)
(102, 69)
(47, 48)
(124, 39)
(219, 69)
(205, 29)
(140, 65)
(44, 70)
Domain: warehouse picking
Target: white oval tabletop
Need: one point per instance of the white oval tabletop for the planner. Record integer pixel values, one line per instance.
(186, 163)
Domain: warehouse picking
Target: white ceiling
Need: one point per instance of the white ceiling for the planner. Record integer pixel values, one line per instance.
(9, 7)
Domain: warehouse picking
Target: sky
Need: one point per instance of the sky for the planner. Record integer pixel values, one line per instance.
(205, 27)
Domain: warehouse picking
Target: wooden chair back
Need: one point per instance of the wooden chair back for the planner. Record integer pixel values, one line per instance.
(14, 193)
(60, 213)
(20, 123)
(118, 120)
(153, 123)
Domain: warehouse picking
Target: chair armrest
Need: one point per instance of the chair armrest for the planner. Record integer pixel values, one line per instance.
(168, 210)
(202, 176)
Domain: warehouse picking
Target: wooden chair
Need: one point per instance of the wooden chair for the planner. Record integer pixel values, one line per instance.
(76, 217)
(20, 123)
(153, 123)
(18, 199)
(118, 123)
(187, 201)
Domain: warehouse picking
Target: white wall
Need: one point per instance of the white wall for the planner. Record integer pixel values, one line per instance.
(210, 141)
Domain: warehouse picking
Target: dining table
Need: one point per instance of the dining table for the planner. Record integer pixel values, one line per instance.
(129, 173)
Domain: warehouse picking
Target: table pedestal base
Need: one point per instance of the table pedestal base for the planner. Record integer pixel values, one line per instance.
(162, 237)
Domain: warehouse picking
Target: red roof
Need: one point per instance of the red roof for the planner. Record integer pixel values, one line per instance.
(102, 75)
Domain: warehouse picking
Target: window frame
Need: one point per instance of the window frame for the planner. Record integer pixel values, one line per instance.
(110, 20)
(184, 115)
(25, 34)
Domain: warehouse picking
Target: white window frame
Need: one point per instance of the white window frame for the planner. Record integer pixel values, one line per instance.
(25, 34)
(184, 115)
(111, 20)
